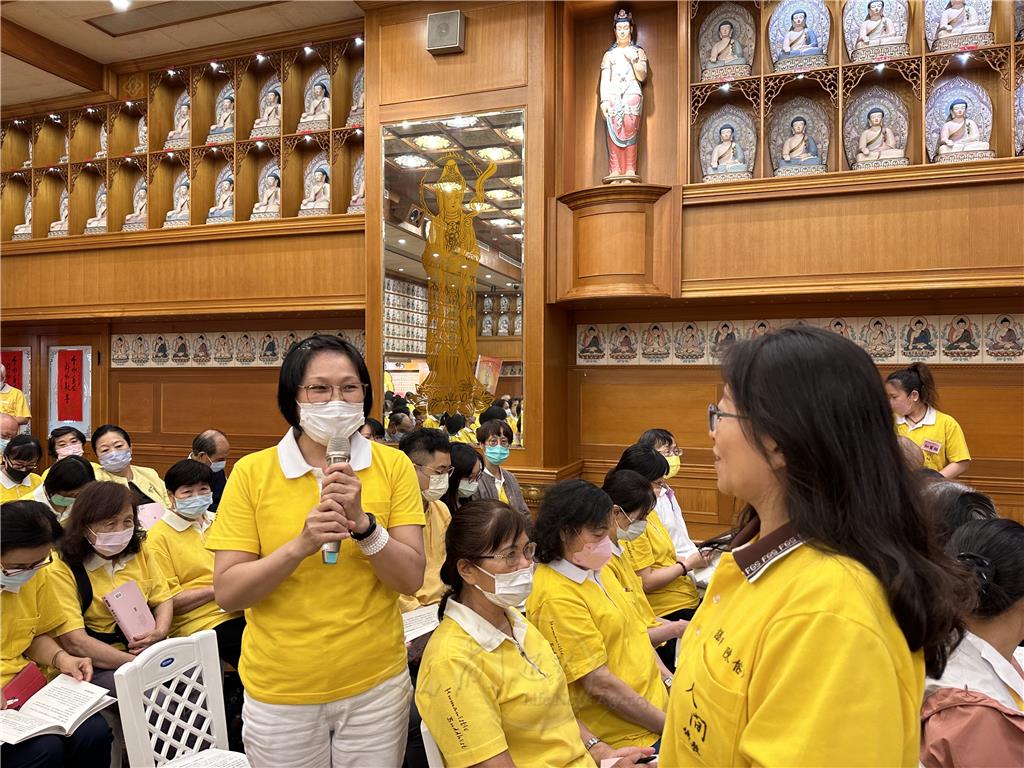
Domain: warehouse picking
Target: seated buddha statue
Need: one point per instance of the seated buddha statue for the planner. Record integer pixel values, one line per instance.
(801, 39)
(317, 114)
(877, 141)
(800, 148)
(727, 156)
(959, 132)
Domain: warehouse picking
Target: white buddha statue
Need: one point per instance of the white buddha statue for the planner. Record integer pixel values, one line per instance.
(269, 204)
(60, 226)
(800, 148)
(64, 156)
(24, 231)
(959, 132)
(102, 152)
(224, 208)
(878, 29)
(800, 40)
(180, 135)
(959, 18)
(269, 121)
(99, 221)
(727, 52)
(727, 156)
(140, 209)
(178, 216)
(877, 141)
(142, 135)
(224, 129)
(317, 114)
(317, 201)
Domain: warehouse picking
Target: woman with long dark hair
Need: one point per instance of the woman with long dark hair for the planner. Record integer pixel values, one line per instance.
(468, 466)
(812, 642)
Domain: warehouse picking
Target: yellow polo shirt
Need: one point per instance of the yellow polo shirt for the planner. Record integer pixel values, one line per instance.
(13, 402)
(438, 518)
(179, 548)
(631, 585)
(654, 549)
(31, 611)
(147, 480)
(794, 658)
(590, 625)
(326, 632)
(940, 437)
(11, 491)
(464, 435)
(106, 576)
(481, 692)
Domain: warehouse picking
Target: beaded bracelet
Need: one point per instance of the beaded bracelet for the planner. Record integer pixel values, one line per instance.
(375, 542)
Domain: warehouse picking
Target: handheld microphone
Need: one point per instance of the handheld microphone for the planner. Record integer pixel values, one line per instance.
(339, 451)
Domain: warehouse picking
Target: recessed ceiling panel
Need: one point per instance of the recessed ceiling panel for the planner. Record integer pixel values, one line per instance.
(167, 14)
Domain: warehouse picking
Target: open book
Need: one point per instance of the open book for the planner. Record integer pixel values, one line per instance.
(210, 758)
(59, 708)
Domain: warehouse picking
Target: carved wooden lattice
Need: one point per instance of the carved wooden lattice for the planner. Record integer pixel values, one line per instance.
(287, 60)
(700, 93)
(223, 150)
(116, 163)
(693, 8)
(37, 126)
(335, 55)
(999, 60)
(320, 139)
(909, 69)
(243, 148)
(828, 79)
(76, 170)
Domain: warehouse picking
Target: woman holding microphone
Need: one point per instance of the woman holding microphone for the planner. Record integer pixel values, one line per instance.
(323, 657)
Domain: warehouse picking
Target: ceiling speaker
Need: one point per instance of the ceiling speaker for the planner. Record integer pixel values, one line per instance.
(446, 32)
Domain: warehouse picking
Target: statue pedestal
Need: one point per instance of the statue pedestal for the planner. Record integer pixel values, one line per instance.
(264, 215)
(220, 219)
(718, 178)
(725, 73)
(969, 156)
(101, 155)
(98, 230)
(961, 42)
(308, 126)
(799, 63)
(356, 206)
(62, 160)
(888, 162)
(176, 144)
(322, 210)
(141, 149)
(880, 53)
(134, 226)
(175, 223)
(57, 233)
(265, 131)
(800, 170)
(21, 236)
(27, 164)
(624, 178)
(356, 118)
(223, 137)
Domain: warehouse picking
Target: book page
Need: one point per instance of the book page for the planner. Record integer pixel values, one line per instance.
(420, 621)
(16, 726)
(64, 701)
(210, 758)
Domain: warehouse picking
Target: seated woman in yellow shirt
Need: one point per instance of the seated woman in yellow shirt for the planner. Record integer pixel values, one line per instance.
(32, 618)
(62, 484)
(812, 642)
(103, 548)
(490, 688)
(20, 458)
(616, 683)
(113, 447)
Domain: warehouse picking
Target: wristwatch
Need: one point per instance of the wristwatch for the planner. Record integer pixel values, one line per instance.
(591, 743)
(369, 530)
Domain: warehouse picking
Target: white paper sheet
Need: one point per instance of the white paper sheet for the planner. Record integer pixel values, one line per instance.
(420, 621)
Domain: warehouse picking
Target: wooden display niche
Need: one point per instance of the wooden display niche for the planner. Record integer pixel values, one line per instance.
(165, 88)
(347, 59)
(346, 149)
(745, 95)
(298, 67)
(255, 72)
(250, 159)
(164, 168)
(15, 187)
(85, 126)
(14, 147)
(122, 176)
(48, 141)
(819, 86)
(123, 139)
(900, 77)
(207, 166)
(84, 181)
(297, 153)
(207, 82)
(47, 185)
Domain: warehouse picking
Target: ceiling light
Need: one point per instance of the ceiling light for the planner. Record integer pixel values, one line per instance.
(517, 236)
(90, 110)
(481, 207)
(259, 144)
(128, 104)
(517, 212)
(401, 269)
(308, 49)
(515, 181)
(500, 194)
(800, 77)
(460, 122)
(432, 143)
(436, 255)
(964, 58)
(260, 57)
(879, 67)
(509, 284)
(504, 223)
(359, 41)
(488, 277)
(170, 73)
(411, 161)
(725, 87)
(214, 65)
(401, 241)
(514, 133)
(55, 118)
(495, 154)
(359, 131)
(464, 266)
(121, 5)
(308, 139)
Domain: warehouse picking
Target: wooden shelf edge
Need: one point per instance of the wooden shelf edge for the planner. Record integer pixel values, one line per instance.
(613, 193)
(918, 177)
(239, 230)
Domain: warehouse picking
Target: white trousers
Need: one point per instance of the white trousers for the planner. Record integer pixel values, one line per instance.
(369, 729)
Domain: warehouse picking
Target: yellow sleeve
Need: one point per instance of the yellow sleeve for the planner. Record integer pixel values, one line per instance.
(20, 406)
(54, 617)
(159, 589)
(406, 500)
(458, 703)
(956, 443)
(640, 551)
(569, 627)
(798, 690)
(160, 554)
(234, 527)
(64, 591)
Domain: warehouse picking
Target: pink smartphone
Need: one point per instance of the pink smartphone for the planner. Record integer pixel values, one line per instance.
(129, 609)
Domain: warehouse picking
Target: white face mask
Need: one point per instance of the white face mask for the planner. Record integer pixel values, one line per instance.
(438, 488)
(510, 589)
(467, 488)
(322, 421)
(634, 531)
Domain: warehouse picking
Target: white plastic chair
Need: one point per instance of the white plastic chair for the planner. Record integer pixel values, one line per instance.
(172, 701)
(434, 758)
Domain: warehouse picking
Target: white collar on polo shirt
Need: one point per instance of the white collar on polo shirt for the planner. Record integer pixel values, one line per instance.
(293, 465)
(94, 562)
(927, 421)
(180, 524)
(482, 631)
(9, 483)
(573, 572)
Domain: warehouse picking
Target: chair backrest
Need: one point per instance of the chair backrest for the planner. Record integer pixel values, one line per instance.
(434, 758)
(171, 700)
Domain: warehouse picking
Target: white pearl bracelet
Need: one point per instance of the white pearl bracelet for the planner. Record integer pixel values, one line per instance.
(375, 542)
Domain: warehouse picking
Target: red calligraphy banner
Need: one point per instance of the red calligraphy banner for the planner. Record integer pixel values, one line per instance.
(69, 385)
(12, 360)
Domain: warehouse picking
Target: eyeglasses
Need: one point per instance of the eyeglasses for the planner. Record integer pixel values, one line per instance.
(512, 556)
(493, 441)
(322, 393)
(714, 414)
(22, 465)
(14, 571)
(435, 470)
(677, 451)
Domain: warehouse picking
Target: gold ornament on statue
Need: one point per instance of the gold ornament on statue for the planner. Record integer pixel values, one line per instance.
(451, 257)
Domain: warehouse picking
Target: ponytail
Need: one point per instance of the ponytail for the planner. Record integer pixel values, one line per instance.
(917, 378)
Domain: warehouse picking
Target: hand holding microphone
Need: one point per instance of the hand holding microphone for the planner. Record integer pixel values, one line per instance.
(341, 487)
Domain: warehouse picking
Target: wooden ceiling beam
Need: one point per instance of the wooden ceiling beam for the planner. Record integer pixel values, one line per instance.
(41, 53)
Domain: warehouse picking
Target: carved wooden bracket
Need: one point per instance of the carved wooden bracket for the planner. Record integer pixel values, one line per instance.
(37, 126)
(909, 70)
(339, 137)
(828, 79)
(999, 60)
(287, 60)
(321, 139)
(243, 148)
(334, 55)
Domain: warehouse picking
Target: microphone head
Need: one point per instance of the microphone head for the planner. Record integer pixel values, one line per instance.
(339, 446)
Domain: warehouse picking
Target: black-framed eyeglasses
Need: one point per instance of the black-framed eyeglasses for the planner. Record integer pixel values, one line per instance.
(15, 571)
(511, 557)
(715, 413)
(435, 470)
(665, 451)
(323, 393)
(23, 466)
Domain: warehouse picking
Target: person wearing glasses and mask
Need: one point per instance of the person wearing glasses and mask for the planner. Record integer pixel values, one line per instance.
(617, 684)
(17, 473)
(465, 479)
(113, 447)
(491, 689)
(32, 619)
(64, 442)
(324, 660)
(494, 438)
(669, 511)
(62, 484)
(212, 448)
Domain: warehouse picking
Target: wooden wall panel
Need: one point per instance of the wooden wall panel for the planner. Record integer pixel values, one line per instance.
(318, 267)
(496, 51)
(134, 401)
